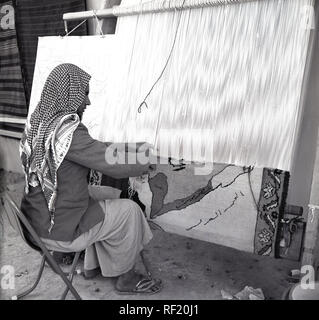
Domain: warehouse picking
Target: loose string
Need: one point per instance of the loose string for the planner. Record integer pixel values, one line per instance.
(312, 209)
(131, 188)
(98, 23)
(166, 64)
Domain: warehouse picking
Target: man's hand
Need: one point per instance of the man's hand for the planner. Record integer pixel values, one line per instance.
(151, 162)
(138, 161)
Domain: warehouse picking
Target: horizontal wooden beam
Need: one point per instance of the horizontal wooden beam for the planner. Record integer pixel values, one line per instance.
(148, 7)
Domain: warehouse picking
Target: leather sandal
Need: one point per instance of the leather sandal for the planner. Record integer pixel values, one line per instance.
(144, 286)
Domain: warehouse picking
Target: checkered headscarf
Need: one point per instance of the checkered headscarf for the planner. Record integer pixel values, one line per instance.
(48, 134)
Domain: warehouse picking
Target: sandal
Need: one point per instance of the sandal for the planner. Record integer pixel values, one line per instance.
(144, 286)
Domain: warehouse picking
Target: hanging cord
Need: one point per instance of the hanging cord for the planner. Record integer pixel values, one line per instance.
(169, 57)
(75, 27)
(250, 169)
(312, 209)
(98, 23)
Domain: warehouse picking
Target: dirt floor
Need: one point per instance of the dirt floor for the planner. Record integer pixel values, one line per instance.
(190, 269)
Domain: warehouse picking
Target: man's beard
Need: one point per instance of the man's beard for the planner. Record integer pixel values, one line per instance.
(80, 114)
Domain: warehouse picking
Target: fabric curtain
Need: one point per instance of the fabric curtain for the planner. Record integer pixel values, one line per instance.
(13, 107)
(37, 18)
(18, 47)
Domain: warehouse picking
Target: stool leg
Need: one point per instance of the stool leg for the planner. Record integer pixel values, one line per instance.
(59, 271)
(23, 294)
(71, 274)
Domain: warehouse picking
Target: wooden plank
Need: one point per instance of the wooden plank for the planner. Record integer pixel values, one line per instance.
(311, 244)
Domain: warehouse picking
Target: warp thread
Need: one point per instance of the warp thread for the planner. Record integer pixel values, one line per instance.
(160, 6)
(234, 71)
(162, 72)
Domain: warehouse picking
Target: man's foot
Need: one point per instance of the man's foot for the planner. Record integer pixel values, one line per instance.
(133, 283)
(89, 274)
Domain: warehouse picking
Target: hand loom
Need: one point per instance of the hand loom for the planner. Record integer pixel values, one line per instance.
(226, 76)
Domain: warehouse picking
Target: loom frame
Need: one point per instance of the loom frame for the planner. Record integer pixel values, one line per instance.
(310, 254)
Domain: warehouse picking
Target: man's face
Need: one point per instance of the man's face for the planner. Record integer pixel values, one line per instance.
(86, 102)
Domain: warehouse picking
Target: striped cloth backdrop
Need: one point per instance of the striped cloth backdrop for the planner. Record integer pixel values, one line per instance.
(31, 19)
(38, 18)
(13, 108)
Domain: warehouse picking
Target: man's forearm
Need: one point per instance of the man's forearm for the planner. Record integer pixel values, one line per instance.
(125, 146)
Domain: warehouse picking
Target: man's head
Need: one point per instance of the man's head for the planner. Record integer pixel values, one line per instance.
(86, 102)
(64, 92)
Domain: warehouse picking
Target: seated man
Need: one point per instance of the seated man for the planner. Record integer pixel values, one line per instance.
(57, 153)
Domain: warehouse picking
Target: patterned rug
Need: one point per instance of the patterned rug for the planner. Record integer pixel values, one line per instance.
(271, 207)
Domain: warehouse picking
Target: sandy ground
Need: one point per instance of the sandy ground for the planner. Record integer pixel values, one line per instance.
(190, 269)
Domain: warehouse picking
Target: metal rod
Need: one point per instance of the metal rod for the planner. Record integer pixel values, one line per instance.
(71, 274)
(25, 293)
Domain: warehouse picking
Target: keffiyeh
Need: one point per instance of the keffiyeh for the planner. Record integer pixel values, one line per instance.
(48, 134)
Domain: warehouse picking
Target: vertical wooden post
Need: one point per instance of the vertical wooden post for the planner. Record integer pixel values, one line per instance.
(108, 25)
(311, 245)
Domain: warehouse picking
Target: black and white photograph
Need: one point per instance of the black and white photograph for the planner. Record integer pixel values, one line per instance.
(158, 155)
